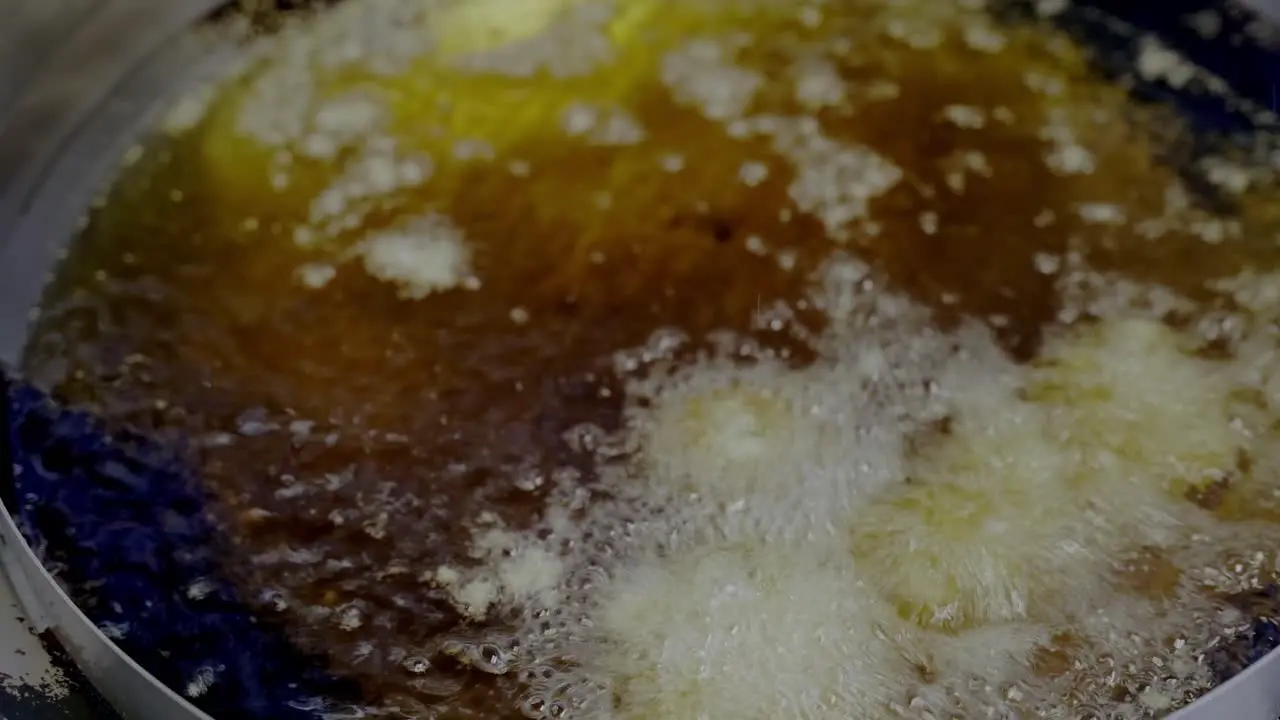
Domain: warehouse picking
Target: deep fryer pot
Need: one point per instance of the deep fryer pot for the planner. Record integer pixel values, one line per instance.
(79, 86)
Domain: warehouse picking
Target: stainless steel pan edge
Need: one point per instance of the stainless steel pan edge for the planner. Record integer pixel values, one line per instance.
(58, 146)
(129, 688)
(104, 104)
(75, 118)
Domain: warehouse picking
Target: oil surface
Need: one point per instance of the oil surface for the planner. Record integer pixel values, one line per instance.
(347, 429)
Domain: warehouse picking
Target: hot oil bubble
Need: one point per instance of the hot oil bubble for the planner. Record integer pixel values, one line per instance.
(493, 659)
(530, 479)
(534, 706)
(416, 664)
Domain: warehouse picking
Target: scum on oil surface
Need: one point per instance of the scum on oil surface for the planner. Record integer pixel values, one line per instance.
(417, 301)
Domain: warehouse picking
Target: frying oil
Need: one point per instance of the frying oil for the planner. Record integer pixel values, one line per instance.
(706, 359)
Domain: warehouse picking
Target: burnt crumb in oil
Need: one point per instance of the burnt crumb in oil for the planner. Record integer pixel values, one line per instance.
(718, 227)
(721, 231)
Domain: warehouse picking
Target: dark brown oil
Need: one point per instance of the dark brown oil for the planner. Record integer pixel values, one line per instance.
(166, 315)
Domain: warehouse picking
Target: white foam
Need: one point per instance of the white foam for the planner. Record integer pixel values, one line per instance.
(987, 530)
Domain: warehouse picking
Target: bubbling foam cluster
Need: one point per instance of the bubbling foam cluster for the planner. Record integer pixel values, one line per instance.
(986, 525)
(1157, 417)
(910, 524)
(748, 631)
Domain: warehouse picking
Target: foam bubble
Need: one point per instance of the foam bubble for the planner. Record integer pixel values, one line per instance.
(748, 631)
(1154, 421)
(898, 527)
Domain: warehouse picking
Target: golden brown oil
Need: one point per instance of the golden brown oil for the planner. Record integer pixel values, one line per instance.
(178, 306)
